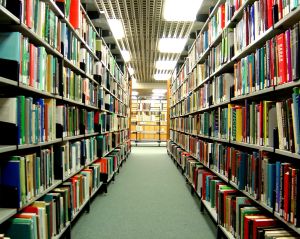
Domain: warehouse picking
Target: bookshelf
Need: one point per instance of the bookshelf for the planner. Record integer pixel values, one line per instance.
(63, 111)
(148, 121)
(234, 112)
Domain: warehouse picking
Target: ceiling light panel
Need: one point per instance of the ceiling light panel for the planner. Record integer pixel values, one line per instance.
(161, 77)
(116, 28)
(179, 10)
(171, 45)
(165, 65)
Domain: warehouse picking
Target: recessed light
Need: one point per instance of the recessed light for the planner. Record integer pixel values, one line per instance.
(165, 65)
(126, 55)
(161, 76)
(116, 28)
(171, 45)
(178, 10)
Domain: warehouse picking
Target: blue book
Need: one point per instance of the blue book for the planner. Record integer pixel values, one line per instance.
(11, 177)
(271, 170)
(277, 186)
(10, 46)
(207, 187)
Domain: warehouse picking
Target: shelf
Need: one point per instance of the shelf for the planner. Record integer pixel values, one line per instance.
(210, 210)
(287, 153)
(6, 213)
(41, 144)
(54, 185)
(7, 148)
(79, 210)
(69, 138)
(54, 8)
(72, 174)
(226, 233)
(69, 64)
(7, 17)
(6, 81)
(35, 38)
(58, 236)
(96, 190)
(253, 146)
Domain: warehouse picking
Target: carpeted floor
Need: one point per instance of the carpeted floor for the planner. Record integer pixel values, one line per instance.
(149, 199)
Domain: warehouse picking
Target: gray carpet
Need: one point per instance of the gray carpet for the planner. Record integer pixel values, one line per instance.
(149, 199)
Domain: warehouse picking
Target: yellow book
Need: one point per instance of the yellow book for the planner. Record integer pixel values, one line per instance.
(239, 125)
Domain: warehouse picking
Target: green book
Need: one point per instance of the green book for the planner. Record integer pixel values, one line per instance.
(21, 228)
(213, 192)
(244, 212)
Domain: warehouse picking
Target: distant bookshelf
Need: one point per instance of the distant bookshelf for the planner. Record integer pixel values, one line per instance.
(148, 120)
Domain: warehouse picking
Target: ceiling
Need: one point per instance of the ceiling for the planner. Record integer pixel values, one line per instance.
(144, 25)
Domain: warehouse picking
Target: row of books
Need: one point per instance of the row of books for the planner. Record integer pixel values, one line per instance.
(111, 103)
(39, 17)
(253, 123)
(109, 63)
(75, 14)
(52, 213)
(29, 175)
(71, 156)
(41, 70)
(273, 64)
(109, 141)
(79, 89)
(263, 65)
(31, 121)
(109, 84)
(48, 216)
(212, 190)
(28, 120)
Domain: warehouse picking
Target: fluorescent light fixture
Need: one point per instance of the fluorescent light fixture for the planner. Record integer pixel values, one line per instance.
(159, 91)
(116, 28)
(171, 45)
(178, 10)
(162, 76)
(135, 93)
(126, 55)
(165, 65)
(130, 70)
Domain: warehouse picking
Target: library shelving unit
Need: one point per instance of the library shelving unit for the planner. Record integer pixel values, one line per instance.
(234, 117)
(63, 116)
(148, 121)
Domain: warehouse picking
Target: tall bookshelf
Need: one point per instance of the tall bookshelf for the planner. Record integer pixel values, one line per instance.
(63, 115)
(234, 113)
(149, 121)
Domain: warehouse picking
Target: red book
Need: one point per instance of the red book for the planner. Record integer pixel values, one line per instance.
(248, 224)
(280, 11)
(261, 113)
(222, 16)
(31, 209)
(282, 62)
(46, 122)
(262, 222)
(29, 10)
(31, 64)
(288, 55)
(75, 13)
(204, 184)
(270, 13)
(74, 199)
(286, 193)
